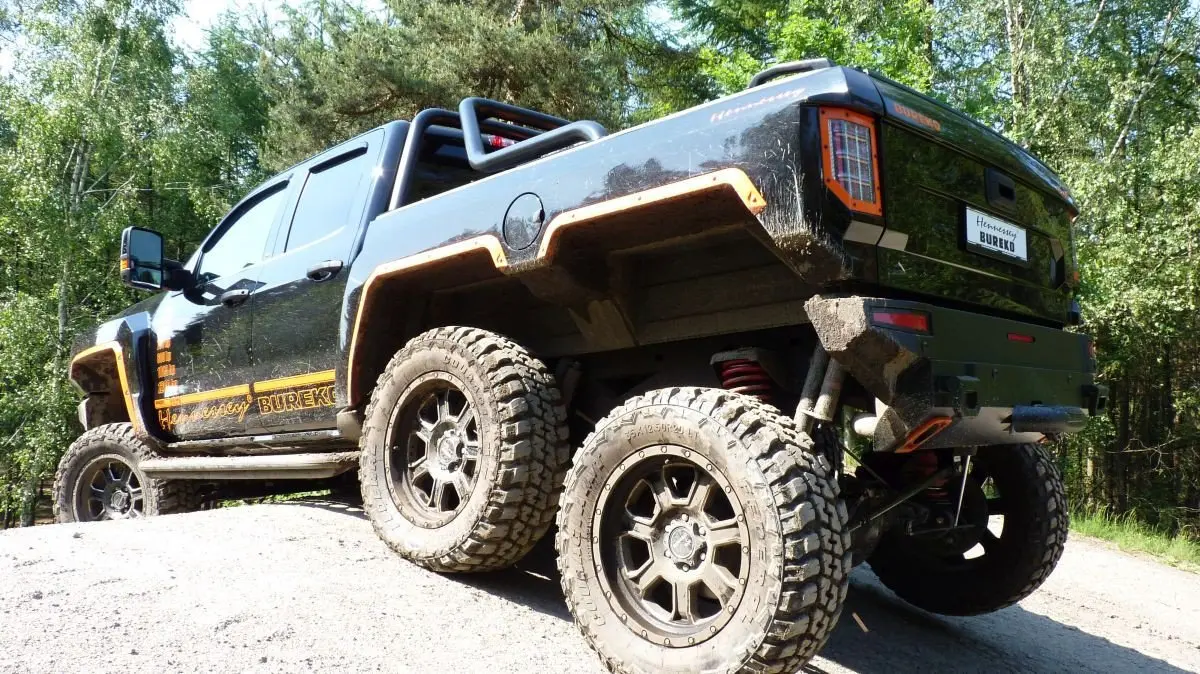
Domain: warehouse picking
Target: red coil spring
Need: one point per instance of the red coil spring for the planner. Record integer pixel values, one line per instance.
(921, 465)
(748, 377)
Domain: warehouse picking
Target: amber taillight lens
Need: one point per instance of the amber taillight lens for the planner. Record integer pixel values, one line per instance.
(912, 321)
(848, 146)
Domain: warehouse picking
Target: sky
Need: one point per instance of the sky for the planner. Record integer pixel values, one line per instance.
(199, 15)
(191, 29)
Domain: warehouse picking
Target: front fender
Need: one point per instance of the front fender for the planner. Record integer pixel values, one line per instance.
(109, 365)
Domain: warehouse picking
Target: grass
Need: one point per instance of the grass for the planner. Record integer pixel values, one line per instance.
(276, 498)
(1133, 536)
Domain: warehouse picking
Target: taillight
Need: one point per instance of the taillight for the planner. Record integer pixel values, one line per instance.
(848, 147)
(913, 321)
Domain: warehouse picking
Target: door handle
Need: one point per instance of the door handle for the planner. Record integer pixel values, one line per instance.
(232, 298)
(323, 271)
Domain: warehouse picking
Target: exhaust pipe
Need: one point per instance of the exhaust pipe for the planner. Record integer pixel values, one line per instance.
(1046, 419)
(864, 424)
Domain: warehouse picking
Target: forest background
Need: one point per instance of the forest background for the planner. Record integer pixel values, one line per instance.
(105, 123)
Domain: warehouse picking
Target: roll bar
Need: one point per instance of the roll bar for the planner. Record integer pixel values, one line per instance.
(789, 68)
(536, 134)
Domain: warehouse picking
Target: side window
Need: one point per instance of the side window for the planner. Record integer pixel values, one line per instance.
(244, 240)
(443, 167)
(431, 179)
(329, 193)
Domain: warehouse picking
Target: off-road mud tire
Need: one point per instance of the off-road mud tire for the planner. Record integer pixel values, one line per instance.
(161, 497)
(1039, 518)
(524, 445)
(797, 578)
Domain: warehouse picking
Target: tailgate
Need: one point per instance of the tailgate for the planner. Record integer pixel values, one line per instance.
(970, 216)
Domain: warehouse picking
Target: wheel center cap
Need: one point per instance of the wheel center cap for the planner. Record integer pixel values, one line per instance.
(447, 449)
(681, 543)
(119, 500)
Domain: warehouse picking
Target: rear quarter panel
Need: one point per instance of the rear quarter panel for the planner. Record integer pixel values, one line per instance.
(758, 132)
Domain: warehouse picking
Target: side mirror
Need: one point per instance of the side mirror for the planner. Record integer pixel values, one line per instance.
(142, 258)
(143, 265)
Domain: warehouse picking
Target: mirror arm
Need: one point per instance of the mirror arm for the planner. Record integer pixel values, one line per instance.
(175, 277)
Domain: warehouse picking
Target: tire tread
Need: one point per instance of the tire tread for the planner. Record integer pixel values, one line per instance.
(816, 562)
(533, 455)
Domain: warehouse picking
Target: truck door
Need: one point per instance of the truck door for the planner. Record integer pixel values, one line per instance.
(203, 363)
(298, 306)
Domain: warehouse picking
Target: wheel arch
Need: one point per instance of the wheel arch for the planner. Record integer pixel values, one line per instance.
(100, 373)
(568, 292)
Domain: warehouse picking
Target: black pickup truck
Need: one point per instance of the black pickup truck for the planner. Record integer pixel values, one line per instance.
(734, 352)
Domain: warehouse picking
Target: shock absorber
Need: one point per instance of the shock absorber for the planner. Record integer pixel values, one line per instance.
(742, 372)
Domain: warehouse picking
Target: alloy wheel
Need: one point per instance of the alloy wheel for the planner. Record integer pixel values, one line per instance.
(434, 450)
(674, 547)
(109, 489)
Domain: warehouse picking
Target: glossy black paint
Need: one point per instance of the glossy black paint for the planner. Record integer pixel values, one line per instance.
(291, 325)
(295, 314)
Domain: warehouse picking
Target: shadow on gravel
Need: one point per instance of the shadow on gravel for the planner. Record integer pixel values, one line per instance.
(533, 582)
(899, 639)
(906, 639)
(347, 506)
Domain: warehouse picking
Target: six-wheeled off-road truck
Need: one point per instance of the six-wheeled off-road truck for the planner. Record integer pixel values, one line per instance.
(730, 353)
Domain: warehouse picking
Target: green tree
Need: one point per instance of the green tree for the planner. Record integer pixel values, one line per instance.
(333, 69)
(101, 131)
(738, 38)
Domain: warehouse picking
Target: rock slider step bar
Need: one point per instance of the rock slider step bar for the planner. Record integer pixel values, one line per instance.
(272, 467)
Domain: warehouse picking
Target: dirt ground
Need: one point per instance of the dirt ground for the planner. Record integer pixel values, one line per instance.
(307, 586)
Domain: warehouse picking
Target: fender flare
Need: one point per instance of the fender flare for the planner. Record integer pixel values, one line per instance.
(93, 360)
(734, 179)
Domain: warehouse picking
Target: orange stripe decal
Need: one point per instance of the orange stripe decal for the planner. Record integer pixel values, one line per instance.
(323, 377)
(730, 177)
(487, 242)
(202, 396)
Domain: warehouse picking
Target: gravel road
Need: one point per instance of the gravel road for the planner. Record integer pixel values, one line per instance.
(307, 586)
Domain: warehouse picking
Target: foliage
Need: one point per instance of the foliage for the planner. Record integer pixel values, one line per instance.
(742, 35)
(332, 69)
(1130, 534)
(104, 124)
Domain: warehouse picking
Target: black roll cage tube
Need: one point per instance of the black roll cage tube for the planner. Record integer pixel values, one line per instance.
(535, 133)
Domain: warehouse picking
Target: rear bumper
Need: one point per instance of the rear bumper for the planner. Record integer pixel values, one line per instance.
(999, 381)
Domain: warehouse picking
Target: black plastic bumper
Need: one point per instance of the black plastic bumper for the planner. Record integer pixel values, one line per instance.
(1001, 381)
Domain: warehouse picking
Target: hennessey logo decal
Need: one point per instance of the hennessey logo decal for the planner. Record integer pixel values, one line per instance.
(286, 394)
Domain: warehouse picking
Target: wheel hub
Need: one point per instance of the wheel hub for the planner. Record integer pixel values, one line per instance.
(684, 543)
(436, 450)
(447, 453)
(109, 489)
(119, 500)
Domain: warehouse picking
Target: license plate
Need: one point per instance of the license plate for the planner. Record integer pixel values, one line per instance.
(992, 236)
